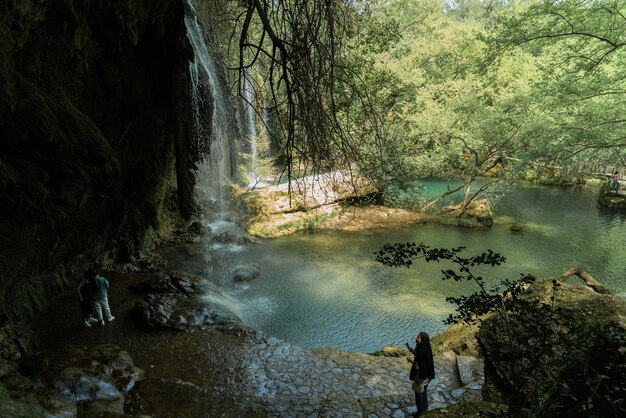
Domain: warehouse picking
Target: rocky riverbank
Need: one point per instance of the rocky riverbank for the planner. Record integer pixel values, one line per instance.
(209, 368)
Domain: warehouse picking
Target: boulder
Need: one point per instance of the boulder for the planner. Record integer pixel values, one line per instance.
(245, 273)
(230, 237)
(173, 311)
(198, 228)
(477, 213)
(59, 379)
(154, 311)
(611, 199)
(580, 312)
(17, 340)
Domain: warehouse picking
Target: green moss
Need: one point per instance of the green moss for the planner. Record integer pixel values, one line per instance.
(11, 408)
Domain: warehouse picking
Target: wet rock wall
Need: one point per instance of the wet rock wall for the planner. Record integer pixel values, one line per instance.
(95, 137)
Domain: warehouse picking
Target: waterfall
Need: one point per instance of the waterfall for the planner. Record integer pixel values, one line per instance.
(213, 114)
(248, 89)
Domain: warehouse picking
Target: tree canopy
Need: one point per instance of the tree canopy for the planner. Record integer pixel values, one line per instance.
(403, 90)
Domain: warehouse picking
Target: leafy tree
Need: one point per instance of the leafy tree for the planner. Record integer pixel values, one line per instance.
(579, 46)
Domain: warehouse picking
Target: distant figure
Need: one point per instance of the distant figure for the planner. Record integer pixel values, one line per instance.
(422, 370)
(615, 182)
(98, 286)
(503, 160)
(84, 298)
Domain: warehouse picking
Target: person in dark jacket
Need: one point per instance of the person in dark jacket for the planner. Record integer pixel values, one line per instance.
(84, 298)
(422, 370)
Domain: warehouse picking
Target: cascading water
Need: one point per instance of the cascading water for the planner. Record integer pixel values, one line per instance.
(250, 116)
(210, 95)
(216, 122)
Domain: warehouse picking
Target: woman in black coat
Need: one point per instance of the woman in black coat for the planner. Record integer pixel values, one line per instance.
(422, 370)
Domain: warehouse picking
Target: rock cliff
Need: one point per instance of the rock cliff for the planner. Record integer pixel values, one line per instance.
(95, 137)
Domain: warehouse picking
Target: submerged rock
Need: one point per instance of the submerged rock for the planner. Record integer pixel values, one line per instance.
(518, 227)
(245, 273)
(229, 237)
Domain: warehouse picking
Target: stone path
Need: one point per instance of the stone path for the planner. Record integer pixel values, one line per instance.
(297, 382)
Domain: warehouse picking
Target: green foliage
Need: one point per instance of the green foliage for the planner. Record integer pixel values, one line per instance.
(579, 50)
(592, 375)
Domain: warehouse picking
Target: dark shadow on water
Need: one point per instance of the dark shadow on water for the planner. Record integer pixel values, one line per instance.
(611, 216)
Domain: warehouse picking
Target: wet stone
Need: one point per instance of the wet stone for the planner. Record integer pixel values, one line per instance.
(398, 414)
(457, 392)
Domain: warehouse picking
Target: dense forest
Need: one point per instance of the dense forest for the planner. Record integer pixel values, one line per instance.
(401, 90)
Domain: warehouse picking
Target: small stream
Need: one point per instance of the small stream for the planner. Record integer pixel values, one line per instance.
(324, 289)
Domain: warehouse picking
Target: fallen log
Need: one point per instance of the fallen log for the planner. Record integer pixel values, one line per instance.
(587, 278)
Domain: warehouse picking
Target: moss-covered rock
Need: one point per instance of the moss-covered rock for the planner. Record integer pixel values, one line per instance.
(13, 408)
(477, 214)
(611, 199)
(459, 338)
(538, 359)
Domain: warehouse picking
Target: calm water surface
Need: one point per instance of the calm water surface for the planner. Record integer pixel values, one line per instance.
(325, 289)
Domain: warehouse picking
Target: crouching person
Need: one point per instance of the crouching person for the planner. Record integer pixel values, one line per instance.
(98, 286)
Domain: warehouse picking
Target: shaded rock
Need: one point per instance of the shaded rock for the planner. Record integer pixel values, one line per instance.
(172, 311)
(245, 273)
(477, 213)
(102, 408)
(88, 372)
(230, 237)
(14, 408)
(16, 340)
(154, 311)
(469, 409)
(143, 262)
(58, 379)
(172, 283)
(7, 367)
(198, 228)
(470, 369)
(580, 311)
